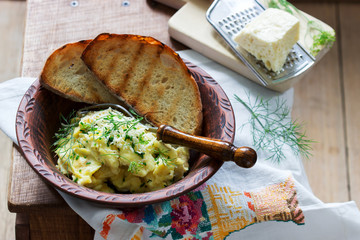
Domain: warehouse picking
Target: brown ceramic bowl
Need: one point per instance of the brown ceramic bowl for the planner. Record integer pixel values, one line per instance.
(37, 121)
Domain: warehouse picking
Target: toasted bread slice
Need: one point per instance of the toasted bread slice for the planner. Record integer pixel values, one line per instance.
(149, 76)
(66, 74)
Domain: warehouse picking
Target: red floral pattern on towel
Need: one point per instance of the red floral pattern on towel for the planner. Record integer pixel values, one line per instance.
(213, 212)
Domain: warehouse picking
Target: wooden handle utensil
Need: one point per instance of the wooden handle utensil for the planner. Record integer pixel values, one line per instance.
(221, 150)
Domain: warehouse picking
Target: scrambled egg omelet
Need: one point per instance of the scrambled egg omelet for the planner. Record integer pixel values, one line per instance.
(107, 151)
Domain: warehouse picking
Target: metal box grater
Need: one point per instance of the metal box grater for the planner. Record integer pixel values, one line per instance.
(229, 17)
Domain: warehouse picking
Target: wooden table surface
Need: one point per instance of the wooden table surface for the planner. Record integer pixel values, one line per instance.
(326, 100)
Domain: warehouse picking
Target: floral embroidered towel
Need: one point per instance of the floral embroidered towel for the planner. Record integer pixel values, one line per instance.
(213, 211)
(269, 201)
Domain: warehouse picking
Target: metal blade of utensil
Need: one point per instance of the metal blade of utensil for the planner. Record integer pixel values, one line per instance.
(229, 17)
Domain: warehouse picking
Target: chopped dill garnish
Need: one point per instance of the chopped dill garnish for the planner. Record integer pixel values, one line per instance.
(132, 111)
(134, 167)
(127, 137)
(142, 140)
(141, 154)
(273, 130)
(161, 156)
(110, 140)
(65, 139)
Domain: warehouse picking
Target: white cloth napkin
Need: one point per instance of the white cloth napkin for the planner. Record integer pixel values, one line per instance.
(235, 203)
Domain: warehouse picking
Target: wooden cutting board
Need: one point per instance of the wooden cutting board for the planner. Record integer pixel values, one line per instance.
(190, 26)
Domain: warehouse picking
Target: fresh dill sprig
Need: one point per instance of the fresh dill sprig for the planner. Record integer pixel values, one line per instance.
(320, 37)
(65, 136)
(160, 155)
(284, 4)
(273, 130)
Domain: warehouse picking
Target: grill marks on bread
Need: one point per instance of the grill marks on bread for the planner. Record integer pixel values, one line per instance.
(66, 74)
(149, 76)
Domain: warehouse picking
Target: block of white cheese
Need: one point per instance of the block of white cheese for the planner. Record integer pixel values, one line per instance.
(270, 37)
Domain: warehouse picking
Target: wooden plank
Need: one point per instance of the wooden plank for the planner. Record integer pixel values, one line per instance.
(12, 22)
(30, 194)
(46, 225)
(318, 102)
(45, 32)
(22, 227)
(350, 49)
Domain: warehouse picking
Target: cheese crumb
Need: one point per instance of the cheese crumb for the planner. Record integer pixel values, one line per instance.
(270, 37)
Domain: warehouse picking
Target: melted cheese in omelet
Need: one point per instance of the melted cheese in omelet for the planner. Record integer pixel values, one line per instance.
(107, 151)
